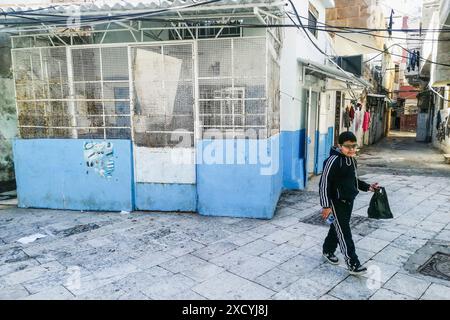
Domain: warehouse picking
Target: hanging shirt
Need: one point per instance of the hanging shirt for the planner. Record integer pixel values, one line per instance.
(417, 58)
(347, 120)
(352, 113)
(438, 119)
(366, 121)
(391, 22)
(357, 120)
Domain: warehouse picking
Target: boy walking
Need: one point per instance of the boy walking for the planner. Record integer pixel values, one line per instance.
(338, 187)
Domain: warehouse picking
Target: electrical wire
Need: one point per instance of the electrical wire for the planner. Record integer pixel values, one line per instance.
(155, 12)
(143, 14)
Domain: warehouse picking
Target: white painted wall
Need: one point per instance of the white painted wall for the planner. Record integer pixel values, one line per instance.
(297, 45)
(164, 165)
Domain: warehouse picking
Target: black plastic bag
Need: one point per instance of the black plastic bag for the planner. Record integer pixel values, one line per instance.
(379, 205)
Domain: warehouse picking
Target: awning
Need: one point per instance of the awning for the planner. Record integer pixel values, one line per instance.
(101, 8)
(334, 73)
(441, 83)
(374, 95)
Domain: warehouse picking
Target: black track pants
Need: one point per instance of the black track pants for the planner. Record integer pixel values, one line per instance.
(340, 232)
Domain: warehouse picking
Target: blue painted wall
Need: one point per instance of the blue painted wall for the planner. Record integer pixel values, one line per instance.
(246, 188)
(325, 141)
(166, 197)
(330, 141)
(52, 173)
(293, 149)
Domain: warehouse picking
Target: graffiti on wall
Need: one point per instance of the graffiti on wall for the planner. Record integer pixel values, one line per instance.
(99, 156)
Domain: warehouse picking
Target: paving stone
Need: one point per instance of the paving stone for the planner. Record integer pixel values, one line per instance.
(279, 237)
(420, 234)
(380, 271)
(283, 212)
(151, 259)
(13, 292)
(327, 274)
(355, 288)
(315, 252)
(227, 286)
(372, 244)
(8, 268)
(243, 238)
(328, 297)
(300, 264)
(50, 280)
(166, 287)
(214, 250)
(32, 273)
(193, 267)
(393, 255)
(407, 221)
(408, 243)
(384, 294)
(281, 253)
(304, 242)
(444, 235)
(185, 248)
(385, 235)
(276, 279)
(299, 228)
(252, 268)
(364, 255)
(285, 222)
(110, 292)
(102, 277)
(186, 295)
(232, 258)
(209, 236)
(395, 228)
(132, 284)
(55, 293)
(303, 289)
(257, 247)
(320, 233)
(266, 229)
(436, 292)
(407, 285)
(100, 241)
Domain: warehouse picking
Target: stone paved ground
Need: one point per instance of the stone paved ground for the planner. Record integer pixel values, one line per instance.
(142, 255)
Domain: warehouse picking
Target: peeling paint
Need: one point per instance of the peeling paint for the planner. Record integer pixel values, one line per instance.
(99, 155)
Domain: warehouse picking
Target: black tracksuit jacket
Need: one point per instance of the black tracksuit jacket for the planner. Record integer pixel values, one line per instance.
(339, 180)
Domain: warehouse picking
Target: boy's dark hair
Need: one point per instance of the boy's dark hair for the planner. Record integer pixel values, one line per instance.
(346, 136)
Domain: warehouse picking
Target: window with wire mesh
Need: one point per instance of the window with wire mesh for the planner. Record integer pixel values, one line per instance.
(313, 16)
(232, 86)
(205, 30)
(90, 102)
(163, 83)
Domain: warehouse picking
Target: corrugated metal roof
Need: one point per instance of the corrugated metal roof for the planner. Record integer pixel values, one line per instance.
(129, 5)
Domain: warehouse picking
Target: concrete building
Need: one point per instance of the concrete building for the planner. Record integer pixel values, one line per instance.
(199, 111)
(364, 14)
(436, 77)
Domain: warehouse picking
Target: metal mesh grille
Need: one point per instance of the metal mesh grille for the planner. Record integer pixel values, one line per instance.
(84, 91)
(273, 83)
(164, 97)
(81, 95)
(232, 86)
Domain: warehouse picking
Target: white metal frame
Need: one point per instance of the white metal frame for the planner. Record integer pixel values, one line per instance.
(197, 122)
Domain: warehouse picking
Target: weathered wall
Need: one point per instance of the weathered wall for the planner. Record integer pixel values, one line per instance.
(8, 118)
(360, 14)
(74, 174)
